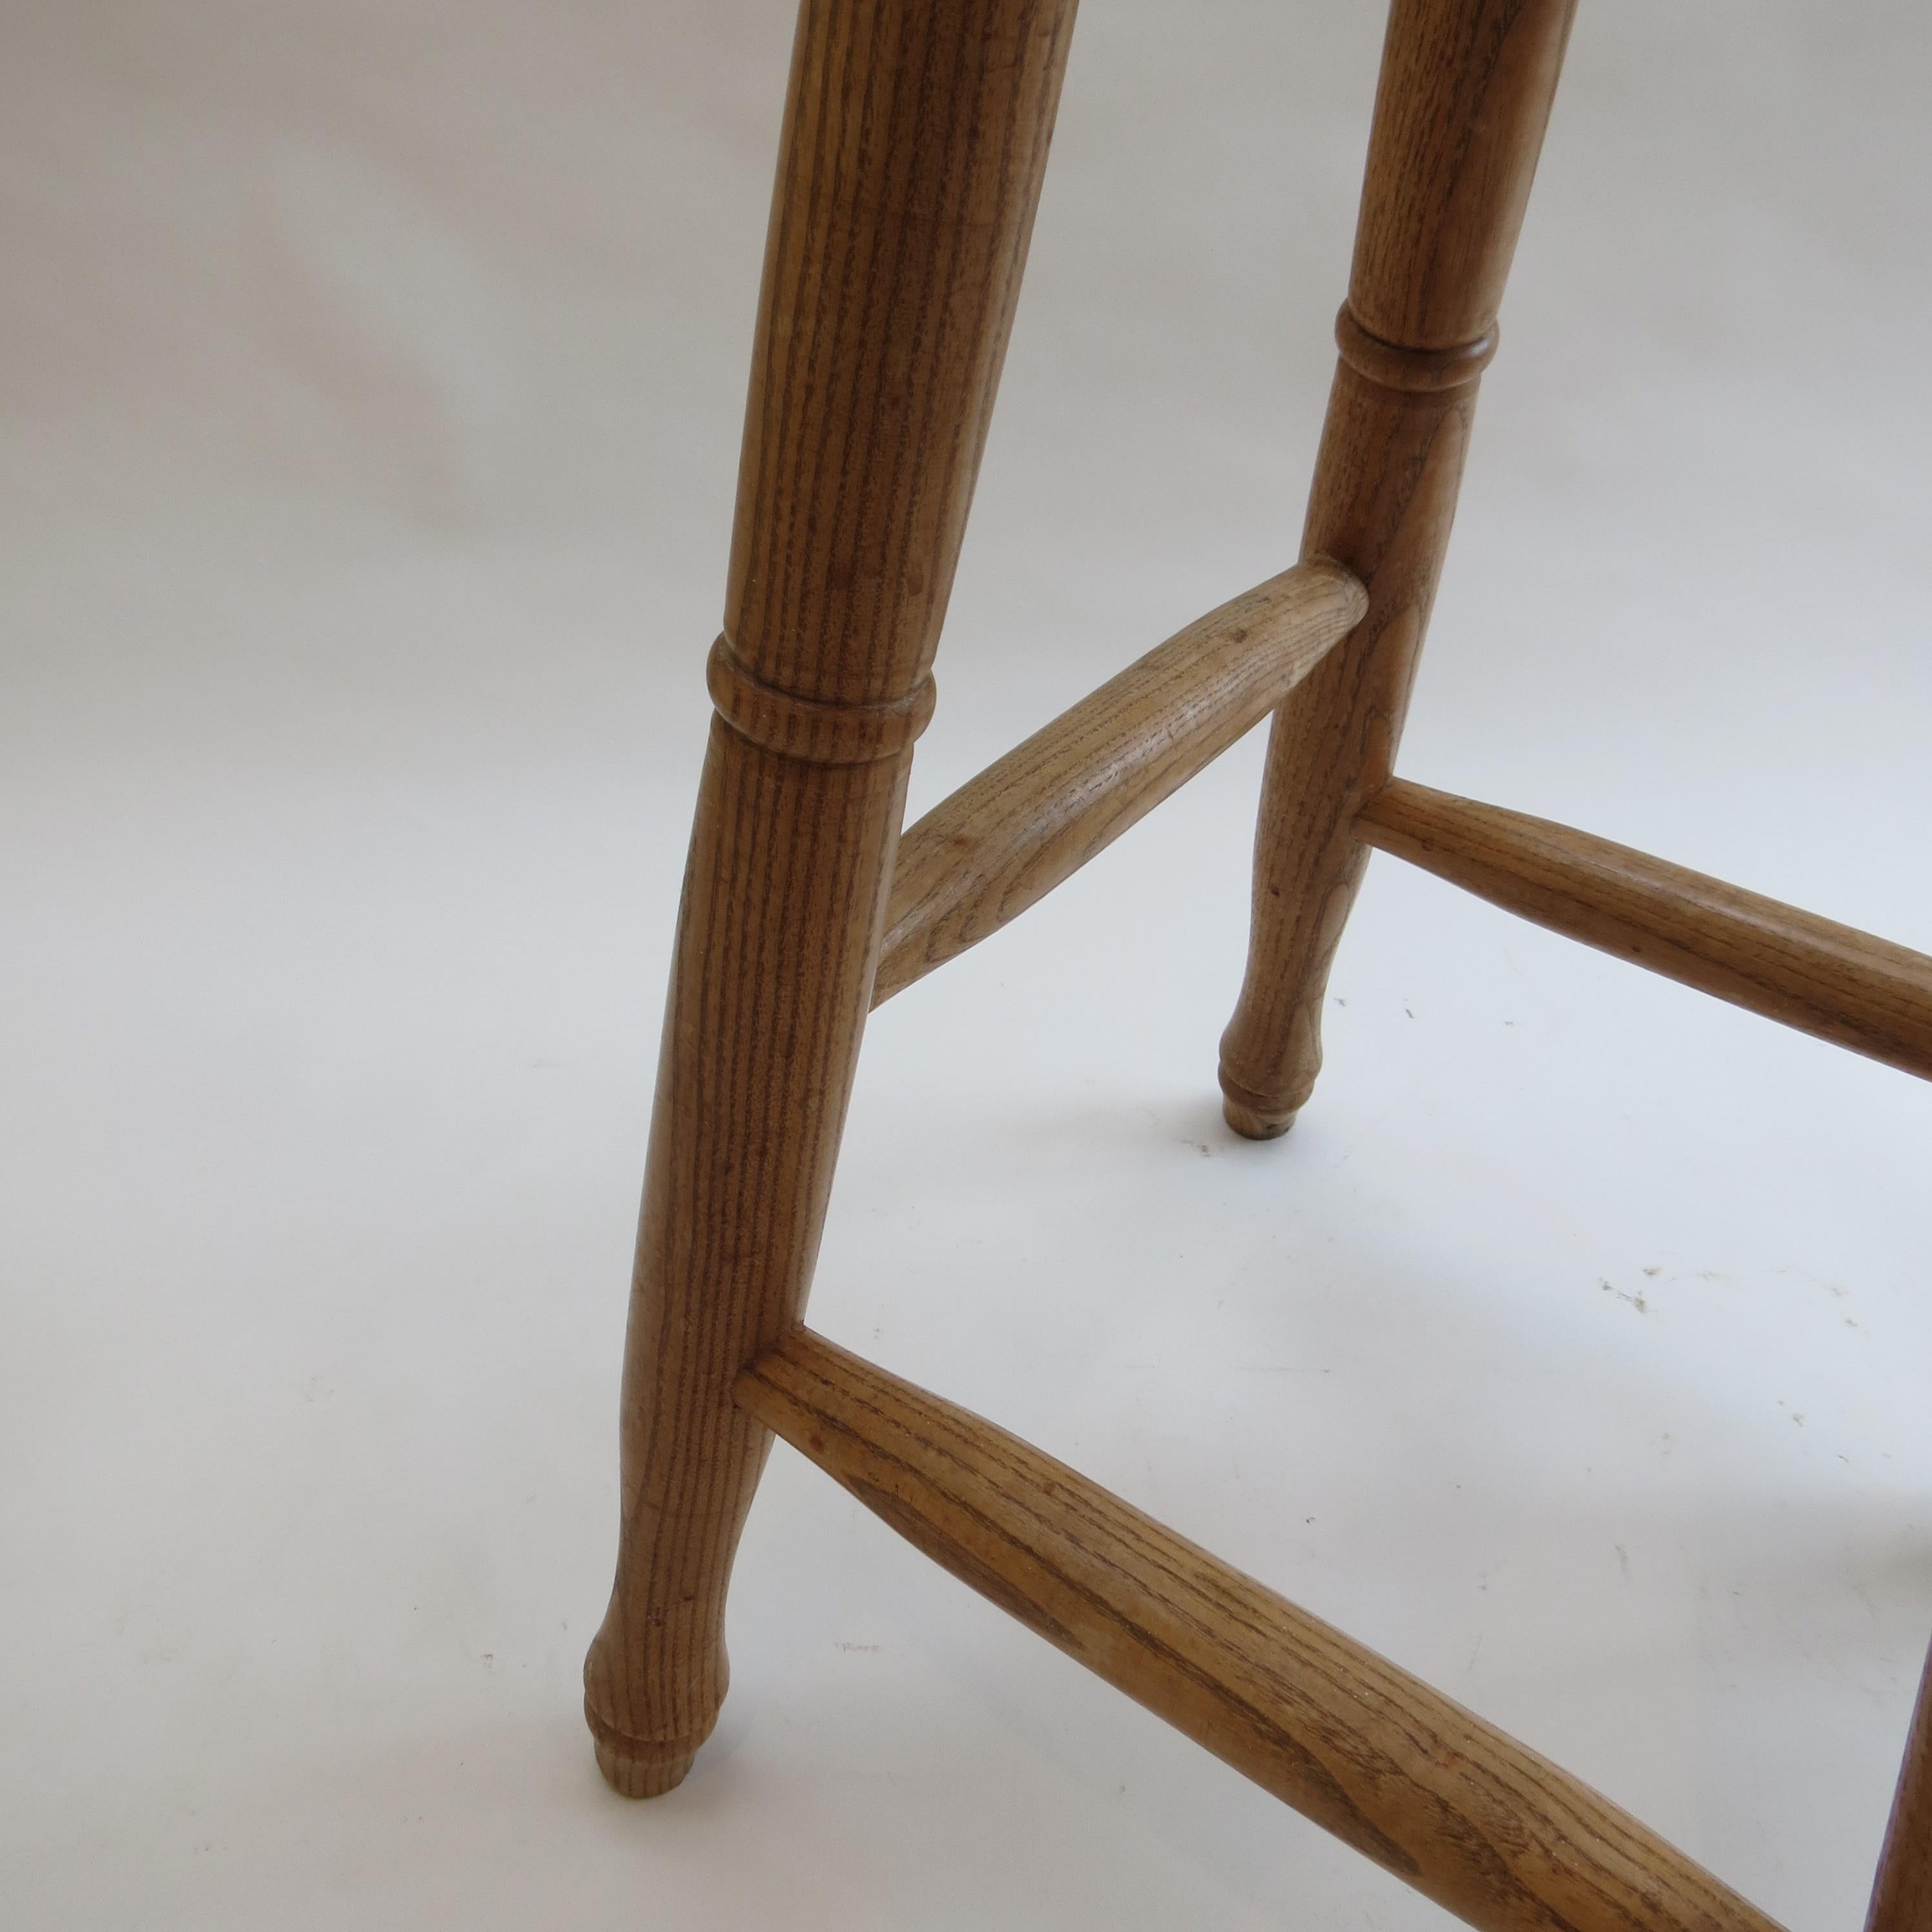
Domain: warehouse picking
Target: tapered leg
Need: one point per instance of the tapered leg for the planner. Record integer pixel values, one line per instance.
(1901, 1899)
(915, 137)
(1464, 96)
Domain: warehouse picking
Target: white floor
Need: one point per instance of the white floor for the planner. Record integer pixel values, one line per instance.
(371, 379)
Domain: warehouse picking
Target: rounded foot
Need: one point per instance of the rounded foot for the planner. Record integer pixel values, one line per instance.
(1253, 1115)
(631, 1777)
(634, 1766)
(1254, 1125)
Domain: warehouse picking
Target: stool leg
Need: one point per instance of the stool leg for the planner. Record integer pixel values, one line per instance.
(1901, 1898)
(1463, 100)
(915, 137)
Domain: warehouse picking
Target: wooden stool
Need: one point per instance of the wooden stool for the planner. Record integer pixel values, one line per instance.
(916, 136)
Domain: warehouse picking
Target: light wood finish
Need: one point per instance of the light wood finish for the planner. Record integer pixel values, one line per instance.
(1449, 1804)
(1465, 94)
(1812, 974)
(1006, 838)
(1902, 1897)
(916, 135)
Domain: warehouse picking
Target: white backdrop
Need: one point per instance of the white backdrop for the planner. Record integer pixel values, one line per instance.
(371, 372)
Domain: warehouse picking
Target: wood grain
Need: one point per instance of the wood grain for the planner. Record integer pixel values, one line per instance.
(1449, 1804)
(1902, 1897)
(1006, 837)
(1823, 978)
(915, 137)
(1460, 109)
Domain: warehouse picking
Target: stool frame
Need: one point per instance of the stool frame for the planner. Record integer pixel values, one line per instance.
(916, 137)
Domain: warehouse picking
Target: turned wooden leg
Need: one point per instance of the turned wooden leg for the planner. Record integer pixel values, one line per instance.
(1901, 1898)
(915, 137)
(1460, 109)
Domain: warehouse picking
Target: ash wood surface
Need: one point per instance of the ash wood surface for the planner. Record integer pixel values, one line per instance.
(915, 138)
(1823, 978)
(1463, 99)
(1902, 1897)
(916, 133)
(1006, 838)
(1449, 1804)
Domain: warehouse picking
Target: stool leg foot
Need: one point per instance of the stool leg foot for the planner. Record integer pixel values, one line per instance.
(632, 1767)
(1251, 1115)
(630, 1776)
